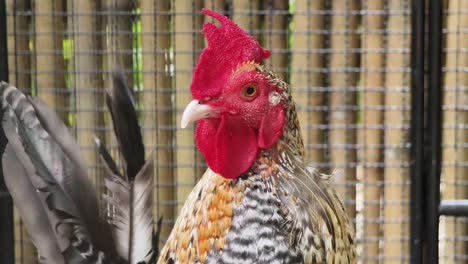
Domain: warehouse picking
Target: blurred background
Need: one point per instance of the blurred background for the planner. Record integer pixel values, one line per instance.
(349, 64)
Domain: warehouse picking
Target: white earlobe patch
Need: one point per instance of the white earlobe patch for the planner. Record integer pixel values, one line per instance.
(274, 98)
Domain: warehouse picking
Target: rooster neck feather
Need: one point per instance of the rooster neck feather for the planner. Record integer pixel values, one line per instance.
(291, 131)
(305, 194)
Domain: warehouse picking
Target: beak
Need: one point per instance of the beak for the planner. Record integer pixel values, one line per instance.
(195, 111)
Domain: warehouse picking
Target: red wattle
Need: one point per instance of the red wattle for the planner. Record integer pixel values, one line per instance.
(229, 146)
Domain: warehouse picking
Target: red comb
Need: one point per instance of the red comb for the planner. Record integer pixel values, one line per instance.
(228, 46)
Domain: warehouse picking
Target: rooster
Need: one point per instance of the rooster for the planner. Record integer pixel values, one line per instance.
(45, 173)
(258, 202)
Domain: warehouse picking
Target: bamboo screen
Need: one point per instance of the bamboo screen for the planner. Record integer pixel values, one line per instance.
(349, 66)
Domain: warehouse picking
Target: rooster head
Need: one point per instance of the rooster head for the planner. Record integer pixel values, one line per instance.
(238, 108)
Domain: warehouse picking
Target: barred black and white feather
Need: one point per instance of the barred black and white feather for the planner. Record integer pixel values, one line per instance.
(46, 176)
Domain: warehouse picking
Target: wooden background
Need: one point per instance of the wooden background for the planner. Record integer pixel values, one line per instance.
(348, 63)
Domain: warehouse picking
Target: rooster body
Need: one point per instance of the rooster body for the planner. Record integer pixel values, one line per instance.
(258, 202)
(247, 221)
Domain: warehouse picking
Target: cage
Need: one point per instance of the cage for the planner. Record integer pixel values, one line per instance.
(349, 66)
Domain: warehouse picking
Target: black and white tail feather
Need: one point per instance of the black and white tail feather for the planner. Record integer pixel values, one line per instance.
(46, 175)
(130, 190)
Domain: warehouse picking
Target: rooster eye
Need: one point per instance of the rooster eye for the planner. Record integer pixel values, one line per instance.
(250, 91)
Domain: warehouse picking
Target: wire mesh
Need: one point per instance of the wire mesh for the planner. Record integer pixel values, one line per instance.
(453, 239)
(349, 66)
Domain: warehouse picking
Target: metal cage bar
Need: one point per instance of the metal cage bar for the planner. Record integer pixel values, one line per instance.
(433, 157)
(417, 129)
(454, 207)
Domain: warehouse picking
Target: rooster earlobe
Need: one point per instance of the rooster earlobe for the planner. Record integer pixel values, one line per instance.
(271, 127)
